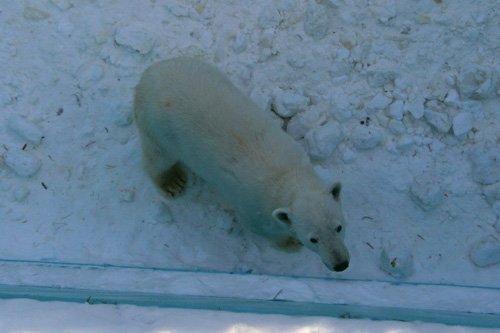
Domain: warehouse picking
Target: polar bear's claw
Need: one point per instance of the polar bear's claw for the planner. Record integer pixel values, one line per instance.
(173, 181)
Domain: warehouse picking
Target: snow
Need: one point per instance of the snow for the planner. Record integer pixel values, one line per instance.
(440, 121)
(462, 124)
(22, 163)
(426, 191)
(135, 38)
(55, 317)
(26, 130)
(378, 103)
(485, 163)
(399, 100)
(486, 252)
(289, 103)
(396, 261)
(366, 137)
(322, 141)
(477, 82)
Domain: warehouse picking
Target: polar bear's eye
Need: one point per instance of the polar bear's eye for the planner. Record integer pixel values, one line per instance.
(339, 228)
(313, 240)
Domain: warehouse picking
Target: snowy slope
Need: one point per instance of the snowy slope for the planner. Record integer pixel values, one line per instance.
(399, 100)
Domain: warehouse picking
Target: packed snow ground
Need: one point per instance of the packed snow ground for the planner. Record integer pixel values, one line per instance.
(55, 317)
(399, 100)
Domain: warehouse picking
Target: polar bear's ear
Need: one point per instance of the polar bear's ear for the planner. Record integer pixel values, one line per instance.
(337, 187)
(282, 215)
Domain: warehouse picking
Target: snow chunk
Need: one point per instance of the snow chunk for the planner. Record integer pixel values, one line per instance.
(462, 123)
(22, 163)
(396, 110)
(322, 141)
(88, 74)
(348, 40)
(7, 95)
(135, 38)
(127, 195)
(405, 143)
(261, 98)
(296, 60)
(492, 193)
(477, 82)
(381, 78)
(347, 154)
(122, 116)
(290, 12)
(364, 137)
(177, 9)
(379, 102)
(342, 53)
(316, 21)
(452, 98)
(396, 261)
(21, 193)
(300, 124)
(164, 214)
(268, 17)
(438, 120)
(416, 107)
(25, 129)
(485, 160)
(266, 39)
(396, 127)
(496, 210)
(423, 19)
(62, 4)
(384, 10)
(341, 109)
(426, 191)
(240, 43)
(34, 14)
(486, 252)
(497, 225)
(289, 103)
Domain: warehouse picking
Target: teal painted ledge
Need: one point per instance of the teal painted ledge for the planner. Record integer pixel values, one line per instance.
(377, 300)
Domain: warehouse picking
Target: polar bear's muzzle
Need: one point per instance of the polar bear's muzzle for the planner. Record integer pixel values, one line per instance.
(336, 257)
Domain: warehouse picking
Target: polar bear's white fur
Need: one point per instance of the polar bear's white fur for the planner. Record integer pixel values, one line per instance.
(190, 116)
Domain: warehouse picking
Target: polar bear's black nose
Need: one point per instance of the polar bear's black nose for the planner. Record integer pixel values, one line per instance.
(341, 267)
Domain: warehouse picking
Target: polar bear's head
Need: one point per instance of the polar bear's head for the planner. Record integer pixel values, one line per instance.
(316, 219)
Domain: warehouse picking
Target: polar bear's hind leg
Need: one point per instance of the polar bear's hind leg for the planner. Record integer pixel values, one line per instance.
(168, 174)
(172, 181)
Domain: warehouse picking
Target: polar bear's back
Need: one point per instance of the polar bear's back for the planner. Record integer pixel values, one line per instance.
(192, 99)
(195, 113)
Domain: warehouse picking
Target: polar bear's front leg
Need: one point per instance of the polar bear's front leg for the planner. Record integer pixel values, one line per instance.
(289, 244)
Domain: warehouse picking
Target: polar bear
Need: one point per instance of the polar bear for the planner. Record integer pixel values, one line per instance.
(190, 116)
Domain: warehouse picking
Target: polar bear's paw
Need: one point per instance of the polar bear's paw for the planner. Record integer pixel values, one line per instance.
(173, 181)
(290, 244)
